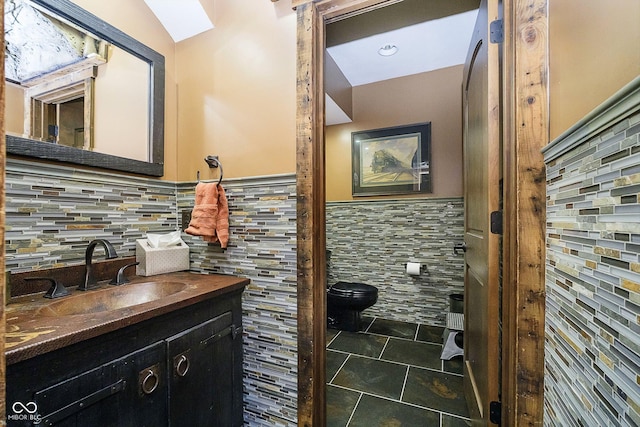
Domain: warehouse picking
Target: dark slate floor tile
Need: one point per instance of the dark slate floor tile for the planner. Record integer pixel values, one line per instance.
(340, 405)
(450, 421)
(359, 343)
(373, 376)
(366, 322)
(428, 390)
(331, 334)
(393, 328)
(334, 361)
(455, 365)
(436, 390)
(376, 412)
(416, 353)
(430, 333)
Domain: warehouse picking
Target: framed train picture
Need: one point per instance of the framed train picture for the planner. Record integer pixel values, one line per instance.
(394, 160)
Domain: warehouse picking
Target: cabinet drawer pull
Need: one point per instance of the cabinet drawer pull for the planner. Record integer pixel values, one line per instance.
(149, 382)
(181, 364)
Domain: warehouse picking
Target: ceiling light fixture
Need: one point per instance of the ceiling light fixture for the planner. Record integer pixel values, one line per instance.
(388, 50)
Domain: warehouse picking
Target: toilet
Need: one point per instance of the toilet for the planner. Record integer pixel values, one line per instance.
(345, 302)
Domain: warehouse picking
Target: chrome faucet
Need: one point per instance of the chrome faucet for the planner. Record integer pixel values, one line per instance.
(110, 252)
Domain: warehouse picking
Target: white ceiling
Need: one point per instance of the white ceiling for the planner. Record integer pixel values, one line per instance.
(423, 47)
(333, 114)
(428, 46)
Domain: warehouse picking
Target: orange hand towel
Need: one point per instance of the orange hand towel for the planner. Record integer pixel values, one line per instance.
(210, 215)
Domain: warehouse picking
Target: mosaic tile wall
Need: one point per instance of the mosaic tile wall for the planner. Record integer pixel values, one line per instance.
(262, 247)
(54, 211)
(592, 355)
(371, 241)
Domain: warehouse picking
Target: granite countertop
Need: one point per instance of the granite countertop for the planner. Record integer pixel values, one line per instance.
(33, 328)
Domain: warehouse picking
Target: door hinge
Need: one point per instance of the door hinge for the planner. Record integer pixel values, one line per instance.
(496, 31)
(496, 222)
(495, 412)
(236, 331)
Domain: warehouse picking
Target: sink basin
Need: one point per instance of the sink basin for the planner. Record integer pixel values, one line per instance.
(113, 298)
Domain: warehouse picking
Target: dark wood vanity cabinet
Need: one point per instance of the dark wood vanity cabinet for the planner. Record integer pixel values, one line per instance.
(129, 391)
(205, 386)
(183, 368)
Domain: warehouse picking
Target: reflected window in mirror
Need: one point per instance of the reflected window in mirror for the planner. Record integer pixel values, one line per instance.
(57, 110)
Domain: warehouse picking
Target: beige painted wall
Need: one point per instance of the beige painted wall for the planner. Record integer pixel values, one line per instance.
(14, 113)
(231, 91)
(236, 92)
(594, 49)
(121, 114)
(434, 96)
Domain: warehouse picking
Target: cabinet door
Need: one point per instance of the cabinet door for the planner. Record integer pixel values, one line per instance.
(129, 391)
(205, 386)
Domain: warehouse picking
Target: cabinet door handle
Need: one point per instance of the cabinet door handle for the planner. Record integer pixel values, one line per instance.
(149, 380)
(181, 364)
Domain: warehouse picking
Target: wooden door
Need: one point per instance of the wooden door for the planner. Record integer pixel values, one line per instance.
(481, 101)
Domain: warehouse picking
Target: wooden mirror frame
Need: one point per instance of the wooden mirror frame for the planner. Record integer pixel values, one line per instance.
(526, 131)
(48, 151)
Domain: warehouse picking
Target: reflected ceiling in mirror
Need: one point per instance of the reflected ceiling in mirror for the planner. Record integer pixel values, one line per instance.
(97, 100)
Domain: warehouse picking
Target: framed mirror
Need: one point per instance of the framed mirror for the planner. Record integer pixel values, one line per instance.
(120, 125)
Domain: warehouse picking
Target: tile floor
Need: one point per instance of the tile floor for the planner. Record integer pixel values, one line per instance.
(391, 374)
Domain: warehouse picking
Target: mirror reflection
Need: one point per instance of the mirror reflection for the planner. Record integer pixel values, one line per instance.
(76, 83)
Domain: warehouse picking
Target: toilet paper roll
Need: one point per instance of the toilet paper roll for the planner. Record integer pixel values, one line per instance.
(413, 268)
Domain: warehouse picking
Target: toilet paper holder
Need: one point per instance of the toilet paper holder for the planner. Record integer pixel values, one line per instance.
(415, 268)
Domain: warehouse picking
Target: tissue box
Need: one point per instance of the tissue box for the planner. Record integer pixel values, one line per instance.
(160, 260)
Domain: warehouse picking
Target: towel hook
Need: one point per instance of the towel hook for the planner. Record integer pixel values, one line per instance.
(213, 162)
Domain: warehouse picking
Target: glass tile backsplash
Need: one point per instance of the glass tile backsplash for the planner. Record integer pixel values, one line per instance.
(592, 353)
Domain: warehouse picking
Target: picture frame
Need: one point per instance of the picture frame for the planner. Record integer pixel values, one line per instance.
(394, 160)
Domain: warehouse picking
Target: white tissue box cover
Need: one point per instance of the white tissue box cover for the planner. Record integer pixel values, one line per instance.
(160, 260)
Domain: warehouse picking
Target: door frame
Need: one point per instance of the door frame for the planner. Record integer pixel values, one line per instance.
(3, 286)
(525, 132)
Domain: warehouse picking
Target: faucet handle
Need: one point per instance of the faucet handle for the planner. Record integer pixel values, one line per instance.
(120, 279)
(56, 290)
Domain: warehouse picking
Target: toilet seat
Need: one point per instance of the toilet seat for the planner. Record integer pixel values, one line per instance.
(352, 290)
